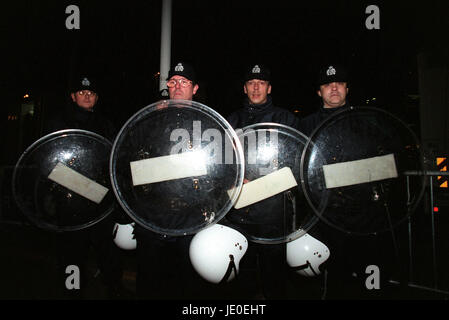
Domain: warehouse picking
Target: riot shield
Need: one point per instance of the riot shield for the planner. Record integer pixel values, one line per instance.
(172, 164)
(61, 182)
(271, 207)
(354, 171)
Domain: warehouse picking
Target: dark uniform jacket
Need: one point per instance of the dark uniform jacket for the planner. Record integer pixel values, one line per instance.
(311, 122)
(268, 214)
(267, 112)
(75, 117)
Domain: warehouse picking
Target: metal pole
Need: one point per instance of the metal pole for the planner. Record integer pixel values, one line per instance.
(434, 259)
(166, 18)
(410, 243)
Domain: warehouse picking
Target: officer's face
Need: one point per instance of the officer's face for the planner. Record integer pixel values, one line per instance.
(85, 99)
(178, 91)
(257, 90)
(333, 94)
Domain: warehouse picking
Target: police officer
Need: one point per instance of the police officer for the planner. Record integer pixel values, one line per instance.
(73, 246)
(258, 104)
(349, 254)
(265, 217)
(331, 85)
(164, 270)
(333, 88)
(81, 112)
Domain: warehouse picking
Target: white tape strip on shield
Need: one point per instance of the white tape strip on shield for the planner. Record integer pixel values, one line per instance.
(77, 183)
(265, 187)
(359, 171)
(177, 166)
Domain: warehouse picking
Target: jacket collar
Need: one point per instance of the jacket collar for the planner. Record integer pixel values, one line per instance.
(256, 108)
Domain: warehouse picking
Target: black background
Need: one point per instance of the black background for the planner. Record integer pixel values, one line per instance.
(119, 42)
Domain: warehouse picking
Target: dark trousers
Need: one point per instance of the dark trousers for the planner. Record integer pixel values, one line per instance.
(350, 255)
(267, 259)
(273, 267)
(164, 270)
(74, 248)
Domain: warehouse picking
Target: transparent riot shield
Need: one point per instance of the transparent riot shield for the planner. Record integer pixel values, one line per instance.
(353, 171)
(61, 182)
(271, 207)
(172, 165)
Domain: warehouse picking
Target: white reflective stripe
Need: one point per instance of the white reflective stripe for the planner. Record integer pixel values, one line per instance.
(359, 171)
(265, 187)
(77, 183)
(177, 166)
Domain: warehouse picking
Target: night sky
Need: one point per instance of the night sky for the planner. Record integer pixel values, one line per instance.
(119, 43)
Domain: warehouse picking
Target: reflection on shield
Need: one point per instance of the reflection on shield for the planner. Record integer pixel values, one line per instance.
(61, 182)
(353, 171)
(271, 207)
(172, 164)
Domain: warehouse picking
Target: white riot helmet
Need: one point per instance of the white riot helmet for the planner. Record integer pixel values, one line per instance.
(306, 254)
(124, 237)
(216, 251)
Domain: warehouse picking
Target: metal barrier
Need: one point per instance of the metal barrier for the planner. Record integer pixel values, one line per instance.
(411, 282)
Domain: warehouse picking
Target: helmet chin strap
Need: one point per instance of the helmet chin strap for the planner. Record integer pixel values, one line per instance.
(231, 266)
(114, 234)
(305, 266)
